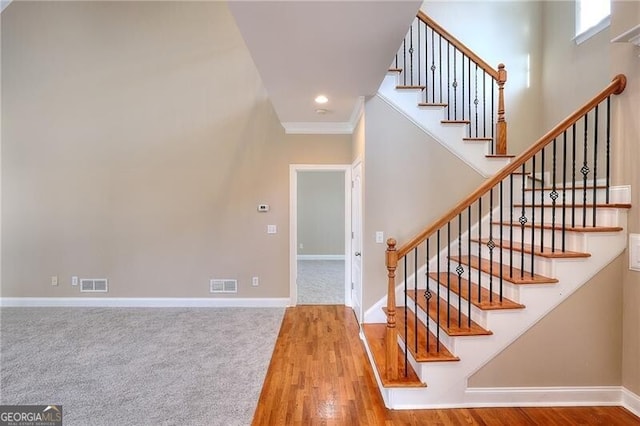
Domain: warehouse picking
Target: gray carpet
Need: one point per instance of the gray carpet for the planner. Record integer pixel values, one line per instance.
(321, 282)
(133, 366)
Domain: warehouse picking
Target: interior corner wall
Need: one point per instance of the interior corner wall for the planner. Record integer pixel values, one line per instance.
(137, 142)
(625, 59)
(579, 343)
(411, 180)
(507, 32)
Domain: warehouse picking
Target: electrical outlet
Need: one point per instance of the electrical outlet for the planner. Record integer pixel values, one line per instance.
(54, 280)
(74, 280)
(255, 281)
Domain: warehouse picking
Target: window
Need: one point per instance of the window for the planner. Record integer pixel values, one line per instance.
(592, 16)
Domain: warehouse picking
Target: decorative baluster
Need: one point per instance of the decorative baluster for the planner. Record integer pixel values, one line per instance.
(411, 56)
(493, 144)
(573, 177)
(533, 215)
(415, 298)
(459, 268)
(523, 222)
(484, 103)
(455, 86)
(554, 197)
(541, 208)
(448, 275)
(608, 147)
(479, 249)
(427, 294)
(491, 244)
(440, 65)
(418, 63)
(501, 239)
(469, 94)
(438, 294)
(391, 340)
(433, 67)
(404, 61)
(406, 320)
(511, 224)
(585, 171)
(448, 82)
(469, 267)
(476, 101)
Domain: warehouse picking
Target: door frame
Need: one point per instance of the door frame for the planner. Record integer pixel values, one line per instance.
(294, 169)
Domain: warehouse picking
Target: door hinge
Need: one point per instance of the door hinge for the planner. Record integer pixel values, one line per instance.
(352, 235)
(353, 184)
(352, 286)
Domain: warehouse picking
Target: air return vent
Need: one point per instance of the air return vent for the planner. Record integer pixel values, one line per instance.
(94, 285)
(223, 286)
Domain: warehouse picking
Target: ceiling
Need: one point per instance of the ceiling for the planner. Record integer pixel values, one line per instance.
(341, 49)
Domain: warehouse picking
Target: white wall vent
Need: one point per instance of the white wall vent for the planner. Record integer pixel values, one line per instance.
(223, 286)
(94, 285)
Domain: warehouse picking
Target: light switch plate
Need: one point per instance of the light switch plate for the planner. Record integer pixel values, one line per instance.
(272, 229)
(379, 237)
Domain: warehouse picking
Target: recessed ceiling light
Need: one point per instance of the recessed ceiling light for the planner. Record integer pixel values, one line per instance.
(321, 99)
(321, 111)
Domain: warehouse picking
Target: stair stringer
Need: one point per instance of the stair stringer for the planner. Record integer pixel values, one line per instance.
(447, 382)
(429, 119)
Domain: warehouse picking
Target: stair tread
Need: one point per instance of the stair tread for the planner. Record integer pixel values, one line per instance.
(566, 228)
(526, 248)
(409, 87)
(452, 329)
(588, 205)
(477, 139)
(422, 354)
(455, 122)
(424, 104)
(518, 277)
(487, 300)
(375, 335)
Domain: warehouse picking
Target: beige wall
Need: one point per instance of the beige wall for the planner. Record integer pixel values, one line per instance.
(572, 74)
(626, 131)
(321, 213)
(579, 343)
(410, 181)
(137, 142)
(503, 32)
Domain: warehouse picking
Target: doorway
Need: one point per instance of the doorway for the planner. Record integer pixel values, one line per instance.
(320, 234)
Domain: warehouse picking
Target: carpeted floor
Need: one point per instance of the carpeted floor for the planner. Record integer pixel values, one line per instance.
(134, 366)
(321, 282)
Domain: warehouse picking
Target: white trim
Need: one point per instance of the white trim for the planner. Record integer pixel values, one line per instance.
(592, 31)
(4, 4)
(631, 401)
(321, 257)
(293, 225)
(544, 396)
(317, 128)
(327, 127)
(144, 302)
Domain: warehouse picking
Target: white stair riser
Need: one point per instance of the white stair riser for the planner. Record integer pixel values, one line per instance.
(569, 195)
(604, 216)
(573, 241)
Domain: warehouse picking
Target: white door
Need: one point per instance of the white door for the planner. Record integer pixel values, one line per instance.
(356, 243)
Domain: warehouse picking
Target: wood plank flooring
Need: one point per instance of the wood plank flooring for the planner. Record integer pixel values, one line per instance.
(320, 375)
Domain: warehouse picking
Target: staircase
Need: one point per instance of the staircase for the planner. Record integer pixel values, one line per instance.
(451, 94)
(479, 277)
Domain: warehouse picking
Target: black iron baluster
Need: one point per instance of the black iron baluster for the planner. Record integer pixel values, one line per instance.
(493, 124)
(564, 187)
(459, 268)
(484, 104)
(608, 146)
(469, 94)
(406, 321)
(541, 209)
(479, 249)
(462, 56)
(411, 54)
(595, 165)
(476, 101)
(469, 266)
(523, 222)
(415, 299)
(448, 82)
(511, 225)
(554, 197)
(501, 239)
(418, 63)
(491, 244)
(585, 171)
(404, 62)
(449, 274)
(573, 178)
(533, 215)
(440, 62)
(455, 85)
(433, 67)
(437, 294)
(427, 294)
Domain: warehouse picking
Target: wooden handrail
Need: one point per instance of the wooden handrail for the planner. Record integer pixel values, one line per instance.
(459, 45)
(616, 87)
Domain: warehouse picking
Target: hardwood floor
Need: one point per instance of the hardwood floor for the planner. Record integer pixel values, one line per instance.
(320, 375)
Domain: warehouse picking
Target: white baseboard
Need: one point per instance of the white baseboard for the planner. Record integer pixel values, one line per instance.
(631, 401)
(144, 302)
(321, 257)
(545, 396)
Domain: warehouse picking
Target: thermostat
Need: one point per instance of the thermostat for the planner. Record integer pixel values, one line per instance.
(263, 208)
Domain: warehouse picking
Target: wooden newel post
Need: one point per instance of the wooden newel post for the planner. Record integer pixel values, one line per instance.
(391, 339)
(501, 124)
